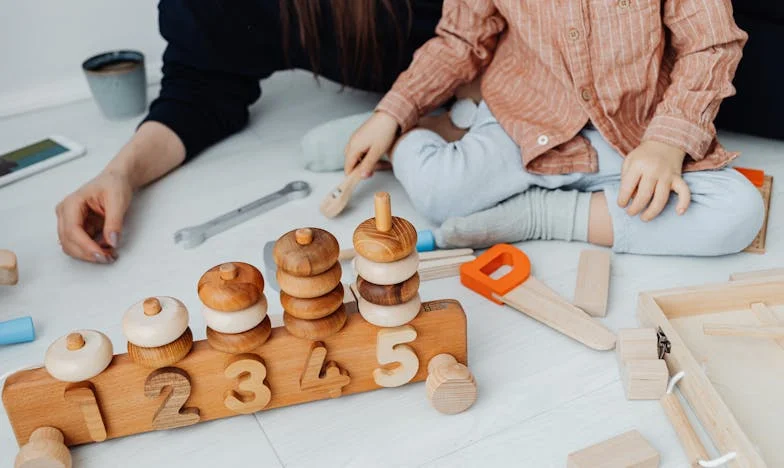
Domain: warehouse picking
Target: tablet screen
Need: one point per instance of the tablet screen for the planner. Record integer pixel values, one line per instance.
(29, 155)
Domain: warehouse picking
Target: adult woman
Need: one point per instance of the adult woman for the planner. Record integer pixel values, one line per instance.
(215, 56)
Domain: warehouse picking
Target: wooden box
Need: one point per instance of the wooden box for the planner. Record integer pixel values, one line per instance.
(733, 384)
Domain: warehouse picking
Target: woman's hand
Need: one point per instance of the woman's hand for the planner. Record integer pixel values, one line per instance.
(648, 175)
(370, 142)
(90, 220)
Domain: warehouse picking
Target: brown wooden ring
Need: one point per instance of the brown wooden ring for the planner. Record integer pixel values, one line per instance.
(306, 260)
(388, 295)
(238, 343)
(162, 356)
(318, 329)
(384, 247)
(229, 295)
(311, 286)
(315, 308)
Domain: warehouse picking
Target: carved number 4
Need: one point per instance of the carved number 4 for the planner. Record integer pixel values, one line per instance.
(389, 350)
(171, 414)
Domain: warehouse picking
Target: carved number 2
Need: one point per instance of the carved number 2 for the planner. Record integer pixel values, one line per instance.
(389, 350)
(171, 413)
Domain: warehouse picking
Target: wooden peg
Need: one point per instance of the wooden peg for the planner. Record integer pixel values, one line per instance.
(304, 236)
(151, 306)
(628, 450)
(383, 207)
(83, 395)
(74, 341)
(44, 450)
(450, 386)
(593, 282)
(9, 272)
(228, 271)
(320, 377)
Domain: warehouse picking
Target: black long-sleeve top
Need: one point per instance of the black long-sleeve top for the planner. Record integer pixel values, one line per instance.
(217, 52)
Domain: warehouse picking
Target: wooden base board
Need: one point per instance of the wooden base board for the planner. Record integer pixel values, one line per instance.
(275, 370)
(758, 245)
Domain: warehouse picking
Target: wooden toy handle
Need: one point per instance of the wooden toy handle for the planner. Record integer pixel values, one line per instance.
(383, 207)
(475, 275)
(691, 443)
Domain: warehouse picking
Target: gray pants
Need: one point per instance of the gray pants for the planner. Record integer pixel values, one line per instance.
(445, 180)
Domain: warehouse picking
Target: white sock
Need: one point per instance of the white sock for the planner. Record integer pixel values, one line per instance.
(323, 147)
(534, 214)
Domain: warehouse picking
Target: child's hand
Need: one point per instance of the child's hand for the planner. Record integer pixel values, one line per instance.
(649, 174)
(370, 142)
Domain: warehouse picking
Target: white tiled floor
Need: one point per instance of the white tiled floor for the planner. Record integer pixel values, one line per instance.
(541, 394)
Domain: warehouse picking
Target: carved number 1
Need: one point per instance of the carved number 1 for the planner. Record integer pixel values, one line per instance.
(389, 350)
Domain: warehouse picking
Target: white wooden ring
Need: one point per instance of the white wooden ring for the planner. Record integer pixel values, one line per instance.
(79, 364)
(149, 331)
(236, 322)
(387, 273)
(389, 316)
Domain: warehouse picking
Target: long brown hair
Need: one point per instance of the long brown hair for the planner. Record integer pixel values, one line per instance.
(356, 31)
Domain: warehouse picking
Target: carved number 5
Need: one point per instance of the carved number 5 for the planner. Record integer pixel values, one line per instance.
(252, 394)
(389, 349)
(171, 414)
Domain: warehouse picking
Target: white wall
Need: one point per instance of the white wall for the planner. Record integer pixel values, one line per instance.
(44, 42)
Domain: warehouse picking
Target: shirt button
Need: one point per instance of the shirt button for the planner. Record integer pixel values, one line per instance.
(543, 140)
(586, 94)
(624, 3)
(574, 34)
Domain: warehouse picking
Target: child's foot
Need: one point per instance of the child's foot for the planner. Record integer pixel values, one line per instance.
(323, 146)
(534, 214)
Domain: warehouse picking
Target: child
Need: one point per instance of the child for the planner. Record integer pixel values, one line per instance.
(593, 112)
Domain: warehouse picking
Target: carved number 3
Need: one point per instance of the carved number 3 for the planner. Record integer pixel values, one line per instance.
(389, 349)
(252, 394)
(171, 414)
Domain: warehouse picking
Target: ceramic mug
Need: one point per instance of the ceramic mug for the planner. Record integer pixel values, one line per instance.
(118, 82)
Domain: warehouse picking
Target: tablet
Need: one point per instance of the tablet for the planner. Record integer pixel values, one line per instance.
(36, 157)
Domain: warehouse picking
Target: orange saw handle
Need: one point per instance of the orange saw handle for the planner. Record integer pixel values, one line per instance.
(475, 274)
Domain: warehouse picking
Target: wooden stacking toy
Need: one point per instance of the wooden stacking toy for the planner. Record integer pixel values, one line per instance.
(234, 307)
(167, 381)
(45, 450)
(309, 276)
(157, 331)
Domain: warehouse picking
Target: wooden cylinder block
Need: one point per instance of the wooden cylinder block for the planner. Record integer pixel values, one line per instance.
(78, 356)
(238, 343)
(318, 329)
(388, 295)
(450, 386)
(389, 316)
(45, 450)
(162, 356)
(238, 321)
(385, 246)
(155, 321)
(231, 286)
(308, 287)
(315, 308)
(306, 252)
(387, 273)
(383, 207)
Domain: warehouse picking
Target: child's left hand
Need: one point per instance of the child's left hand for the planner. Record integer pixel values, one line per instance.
(648, 175)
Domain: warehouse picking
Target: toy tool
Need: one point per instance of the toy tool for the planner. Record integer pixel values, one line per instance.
(520, 290)
(192, 236)
(337, 199)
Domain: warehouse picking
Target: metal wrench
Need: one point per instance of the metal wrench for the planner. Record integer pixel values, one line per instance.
(192, 236)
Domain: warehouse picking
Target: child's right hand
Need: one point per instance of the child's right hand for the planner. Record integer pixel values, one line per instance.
(370, 142)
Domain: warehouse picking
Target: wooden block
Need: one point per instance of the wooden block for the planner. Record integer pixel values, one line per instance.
(757, 274)
(9, 272)
(593, 282)
(628, 450)
(637, 343)
(33, 398)
(45, 450)
(450, 386)
(644, 379)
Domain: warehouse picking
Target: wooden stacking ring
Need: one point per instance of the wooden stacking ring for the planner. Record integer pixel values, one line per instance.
(386, 274)
(388, 295)
(162, 356)
(389, 316)
(155, 321)
(231, 286)
(237, 343)
(306, 252)
(78, 356)
(315, 308)
(312, 286)
(238, 321)
(318, 329)
(384, 247)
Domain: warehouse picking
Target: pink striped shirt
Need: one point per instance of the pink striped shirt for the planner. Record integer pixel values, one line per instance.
(636, 69)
